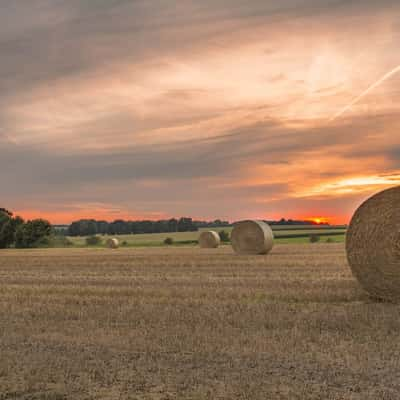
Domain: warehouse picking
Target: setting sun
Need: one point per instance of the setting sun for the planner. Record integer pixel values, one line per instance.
(319, 220)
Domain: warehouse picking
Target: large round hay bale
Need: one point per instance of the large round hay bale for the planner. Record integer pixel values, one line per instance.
(373, 245)
(112, 243)
(209, 240)
(252, 237)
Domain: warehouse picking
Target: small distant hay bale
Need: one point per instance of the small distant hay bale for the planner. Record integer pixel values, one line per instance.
(209, 240)
(252, 237)
(373, 245)
(112, 243)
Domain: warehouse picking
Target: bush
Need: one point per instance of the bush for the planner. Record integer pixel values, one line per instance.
(54, 242)
(169, 241)
(330, 240)
(93, 240)
(44, 241)
(124, 243)
(224, 236)
(314, 238)
(60, 241)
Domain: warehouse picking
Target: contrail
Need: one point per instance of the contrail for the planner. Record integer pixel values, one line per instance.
(363, 94)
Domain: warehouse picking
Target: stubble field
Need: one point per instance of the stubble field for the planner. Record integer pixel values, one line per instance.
(185, 323)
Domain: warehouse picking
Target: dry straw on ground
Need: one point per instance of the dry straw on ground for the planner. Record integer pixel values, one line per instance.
(373, 245)
(181, 323)
(252, 237)
(209, 240)
(112, 243)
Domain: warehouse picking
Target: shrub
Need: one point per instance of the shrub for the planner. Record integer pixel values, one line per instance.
(314, 238)
(60, 241)
(124, 243)
(93, 240)
(54, 240)
(224, 236)
(330, 240)
(44, 241)
(169, 241)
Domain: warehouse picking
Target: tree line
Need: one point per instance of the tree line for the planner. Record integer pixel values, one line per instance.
(14, 231)
(89, 227)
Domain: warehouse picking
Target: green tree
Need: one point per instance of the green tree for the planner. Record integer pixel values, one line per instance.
(186, 225)
(8, 227)
(7, 234)
(29, 234)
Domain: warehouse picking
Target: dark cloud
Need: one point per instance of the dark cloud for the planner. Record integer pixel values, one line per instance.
(394, 156)
(263, 143)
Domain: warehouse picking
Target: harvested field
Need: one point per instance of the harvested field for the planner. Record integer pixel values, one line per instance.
(283, 234)
(185, 323)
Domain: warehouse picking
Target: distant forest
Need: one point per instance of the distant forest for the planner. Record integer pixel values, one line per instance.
(87, 227)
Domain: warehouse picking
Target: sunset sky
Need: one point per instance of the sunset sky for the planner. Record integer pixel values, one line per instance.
(226, 109)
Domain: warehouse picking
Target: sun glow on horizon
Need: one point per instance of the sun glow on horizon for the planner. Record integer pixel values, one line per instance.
(319, 220)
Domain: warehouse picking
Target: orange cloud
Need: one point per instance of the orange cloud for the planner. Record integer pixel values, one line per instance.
(352, 185)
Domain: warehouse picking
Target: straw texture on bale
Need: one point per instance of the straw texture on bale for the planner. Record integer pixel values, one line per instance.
(112, 243)
(209, 240)
(373, 245)
(252, 237)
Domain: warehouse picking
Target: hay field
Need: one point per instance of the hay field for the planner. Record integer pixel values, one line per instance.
(157, 239)
(185, 323)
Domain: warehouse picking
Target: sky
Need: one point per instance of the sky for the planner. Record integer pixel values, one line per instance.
(231, 109)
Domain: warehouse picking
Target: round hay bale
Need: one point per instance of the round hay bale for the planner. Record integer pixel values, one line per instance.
(252, 237)
(373, 245)
(112, 243)
(209, 240)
